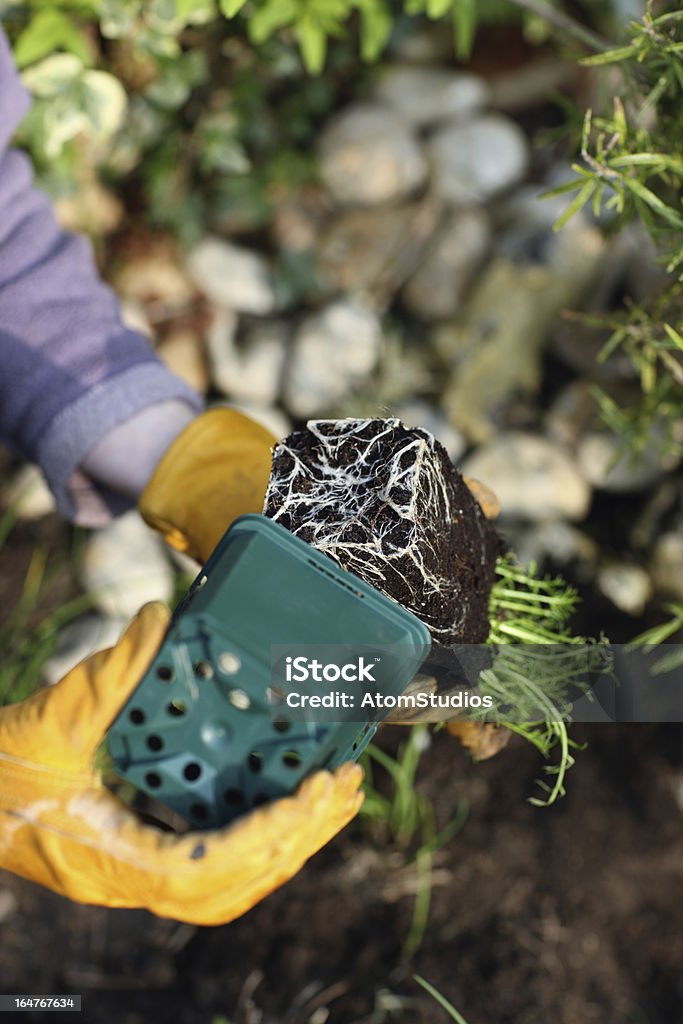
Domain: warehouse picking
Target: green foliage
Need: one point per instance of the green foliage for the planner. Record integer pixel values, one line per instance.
(170, 104)
(650, 334)
(526, 609)
(406, 818)
(631, 168)
(48, 31)
(73, 102)
(405, 814)
(441, 1000)
(622, 173)
(28, 636)
(526, 613)
(464, 21)
(651, 639)
(201, 111)
(313, 22)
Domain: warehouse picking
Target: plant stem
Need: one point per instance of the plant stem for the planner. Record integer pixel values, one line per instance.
(563, 22)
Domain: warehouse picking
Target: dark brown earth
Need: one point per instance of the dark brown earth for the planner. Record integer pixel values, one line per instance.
(569, 915)
(387, 503)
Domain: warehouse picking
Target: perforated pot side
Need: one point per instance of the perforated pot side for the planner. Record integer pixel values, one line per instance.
(386, 503)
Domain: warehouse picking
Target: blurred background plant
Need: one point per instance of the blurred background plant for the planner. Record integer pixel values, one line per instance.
(202, 115)
(200, 121)
(198, 115)
(48, 599)
(631, 169)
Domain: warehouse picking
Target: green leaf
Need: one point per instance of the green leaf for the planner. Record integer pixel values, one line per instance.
(313, 43)
(597, 199)
(653, 201)
(675, 261)
(660, 160)
(48, 31)
(376, 24)
(104, 102)
(577, 203)
(668, 662)
(268, 19)
(464, 23)
(658, 634)
(567, 186)
(195, 12)
(437, 8)
(441, 1000)
(80, 7)
(230, 8)
(611, 56)
(53, 75)
(674, 336)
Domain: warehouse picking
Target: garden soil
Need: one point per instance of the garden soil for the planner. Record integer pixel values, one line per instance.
(569, 915)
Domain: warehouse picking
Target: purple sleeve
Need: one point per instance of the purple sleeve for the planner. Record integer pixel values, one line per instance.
(71, 371)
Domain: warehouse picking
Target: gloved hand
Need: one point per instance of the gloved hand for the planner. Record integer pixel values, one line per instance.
(61, 827)
(487, 499)
(215, 470)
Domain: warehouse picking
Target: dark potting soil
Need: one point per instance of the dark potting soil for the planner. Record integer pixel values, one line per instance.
(569, 915)
(386, 503)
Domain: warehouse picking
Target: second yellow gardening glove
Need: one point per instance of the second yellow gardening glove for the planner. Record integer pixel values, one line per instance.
(215, 470)
(60, 826)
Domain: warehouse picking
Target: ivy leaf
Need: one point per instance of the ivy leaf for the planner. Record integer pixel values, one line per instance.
(464, 23)
(437, 8)
(313, 42)
(195, 12)
(376, 22)
(104, 102)
(230, 8)
(53, 75)
(268, 19)
(50, 30)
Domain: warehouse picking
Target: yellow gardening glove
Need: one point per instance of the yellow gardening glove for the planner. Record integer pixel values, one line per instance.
(61, 827)
(487, 499)
(215, 470)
